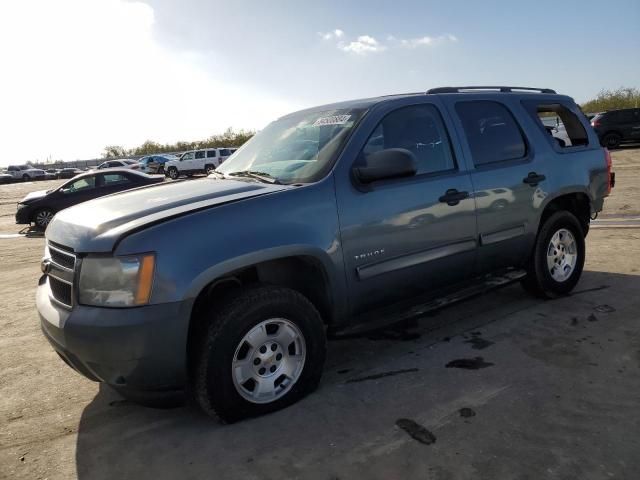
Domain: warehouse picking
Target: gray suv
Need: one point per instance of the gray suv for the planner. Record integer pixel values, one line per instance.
(333, 219)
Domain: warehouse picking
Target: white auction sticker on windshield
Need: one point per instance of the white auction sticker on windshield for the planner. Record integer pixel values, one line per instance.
(332, 120)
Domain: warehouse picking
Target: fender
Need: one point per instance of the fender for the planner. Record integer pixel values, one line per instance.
(332, 273)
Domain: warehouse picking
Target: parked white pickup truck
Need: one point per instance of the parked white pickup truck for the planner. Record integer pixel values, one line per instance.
(25, 173)
(197, 161)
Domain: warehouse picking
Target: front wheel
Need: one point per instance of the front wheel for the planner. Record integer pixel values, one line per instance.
(173, 173)
(43, 217)
(261, 351)
(558, 257)
(26, 178)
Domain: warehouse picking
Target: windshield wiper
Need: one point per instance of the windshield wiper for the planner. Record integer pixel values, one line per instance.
(262, 176)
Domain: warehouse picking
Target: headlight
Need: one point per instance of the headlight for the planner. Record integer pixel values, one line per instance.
(116, 281)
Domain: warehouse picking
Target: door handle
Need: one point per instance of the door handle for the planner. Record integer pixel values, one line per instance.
(533, 179)
(452, 197)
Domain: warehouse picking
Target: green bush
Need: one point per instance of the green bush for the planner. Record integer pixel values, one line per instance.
(229, 138)
(623, 97)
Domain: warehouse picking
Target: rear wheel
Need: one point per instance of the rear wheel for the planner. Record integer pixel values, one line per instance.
(209, 168)
(261, 351)
(611, 140)
(43, 217)
(558, 257)
(173, 173)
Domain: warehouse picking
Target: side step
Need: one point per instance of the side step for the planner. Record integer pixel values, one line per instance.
(403, 311)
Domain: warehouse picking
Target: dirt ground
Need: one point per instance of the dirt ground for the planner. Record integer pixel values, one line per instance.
(553, 395)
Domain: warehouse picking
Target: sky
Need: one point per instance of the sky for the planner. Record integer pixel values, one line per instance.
(78, 75)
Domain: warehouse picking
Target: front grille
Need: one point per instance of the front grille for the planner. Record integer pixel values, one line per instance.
(60, 290)
(61, 274)
(62, 258)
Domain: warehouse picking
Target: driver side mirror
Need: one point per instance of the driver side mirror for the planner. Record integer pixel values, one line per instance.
(386, 164)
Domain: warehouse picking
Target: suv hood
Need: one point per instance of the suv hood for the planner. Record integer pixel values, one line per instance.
(97, 225)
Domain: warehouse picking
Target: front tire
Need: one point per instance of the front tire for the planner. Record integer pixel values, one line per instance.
(173, 173)
(558, 257)
(26, 178)
(260, 351)
(43, 217)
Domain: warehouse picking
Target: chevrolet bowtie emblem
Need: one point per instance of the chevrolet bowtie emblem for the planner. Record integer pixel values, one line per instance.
(45, 265)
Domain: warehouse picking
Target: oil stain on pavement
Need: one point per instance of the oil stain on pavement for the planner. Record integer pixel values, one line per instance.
(469, 363)
(382, 375)
(416, 431)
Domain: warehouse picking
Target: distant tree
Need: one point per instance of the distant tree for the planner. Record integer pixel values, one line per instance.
(230, 138)
(114, 151)
(623, 97)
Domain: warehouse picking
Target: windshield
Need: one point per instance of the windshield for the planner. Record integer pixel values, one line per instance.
(298, 148)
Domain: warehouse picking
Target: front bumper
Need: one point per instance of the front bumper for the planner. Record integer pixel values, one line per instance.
(23, 214)
(141, 348)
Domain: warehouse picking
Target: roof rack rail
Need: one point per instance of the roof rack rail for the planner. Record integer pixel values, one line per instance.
(499, 88)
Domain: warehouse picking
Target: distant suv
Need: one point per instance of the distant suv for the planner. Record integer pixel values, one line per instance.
(342, 217)
(25, 173)
(196, 161)
(617, 126)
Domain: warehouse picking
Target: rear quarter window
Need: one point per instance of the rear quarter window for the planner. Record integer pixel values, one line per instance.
(562, 126)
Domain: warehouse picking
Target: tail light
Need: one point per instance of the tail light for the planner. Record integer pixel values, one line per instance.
(595, 123)
(611, 176)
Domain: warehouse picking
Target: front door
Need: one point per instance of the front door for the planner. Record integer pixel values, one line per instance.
(406, 237)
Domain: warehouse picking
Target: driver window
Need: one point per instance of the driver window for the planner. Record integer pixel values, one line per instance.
(83, 184)
(419, 129)
(187, 156)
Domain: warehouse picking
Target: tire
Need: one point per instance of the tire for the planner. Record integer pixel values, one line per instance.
(26, 178)
(291, 337)
(42, 217)
(554, 268)
(611, 140)
(173, 173)
(209, 168)
(161, 170)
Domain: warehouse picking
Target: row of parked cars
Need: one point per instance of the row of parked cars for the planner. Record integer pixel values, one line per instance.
(187, 164)
(109, 177)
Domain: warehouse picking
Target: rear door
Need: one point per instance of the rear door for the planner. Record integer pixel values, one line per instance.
(508, 179)
(198, 163)
(406, 237)
(212, 158)
(113, 183)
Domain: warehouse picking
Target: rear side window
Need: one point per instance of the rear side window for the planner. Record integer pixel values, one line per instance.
(492, 132)
(419, 129)
(563, 127)
(211, 153)
(225, 152)
(111, 179)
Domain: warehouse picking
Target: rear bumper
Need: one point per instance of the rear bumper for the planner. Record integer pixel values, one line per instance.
(142, 348)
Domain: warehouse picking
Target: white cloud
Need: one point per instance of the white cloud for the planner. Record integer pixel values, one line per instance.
(427, 41)
(363, 45)
(337, 33)
(75, 83)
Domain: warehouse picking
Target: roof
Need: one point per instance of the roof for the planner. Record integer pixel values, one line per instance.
(369, 102)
